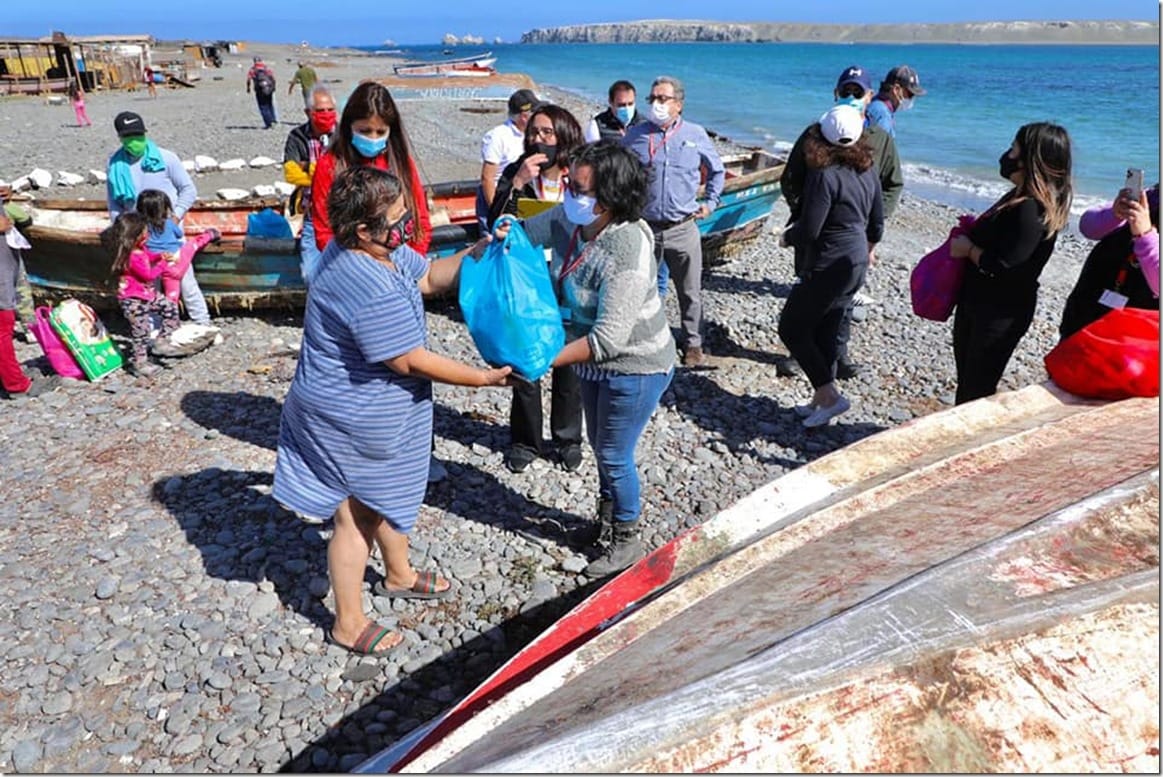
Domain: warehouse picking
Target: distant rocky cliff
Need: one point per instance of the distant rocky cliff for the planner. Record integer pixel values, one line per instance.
(669, 31)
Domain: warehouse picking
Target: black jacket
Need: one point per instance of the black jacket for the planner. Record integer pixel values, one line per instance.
(1111, 257)
(609, 128)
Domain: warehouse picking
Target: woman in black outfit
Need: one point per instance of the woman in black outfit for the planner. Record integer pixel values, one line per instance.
(541, 174)
(1008, 246)
(841, 220)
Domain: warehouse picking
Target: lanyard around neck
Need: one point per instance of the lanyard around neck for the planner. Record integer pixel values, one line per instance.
(667, 134)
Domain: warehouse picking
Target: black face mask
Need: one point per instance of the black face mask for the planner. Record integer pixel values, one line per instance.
(399, 232)
(1007, 165)
(550, 154)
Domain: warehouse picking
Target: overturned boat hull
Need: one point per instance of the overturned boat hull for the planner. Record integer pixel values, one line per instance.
(975, 590)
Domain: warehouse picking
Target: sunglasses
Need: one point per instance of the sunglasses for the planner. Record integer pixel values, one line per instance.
(660, 98)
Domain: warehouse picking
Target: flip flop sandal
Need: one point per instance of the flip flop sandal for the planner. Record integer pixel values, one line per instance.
(369, 639)
(423, 588)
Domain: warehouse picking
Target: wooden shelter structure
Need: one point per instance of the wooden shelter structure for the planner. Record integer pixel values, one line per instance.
(53, 62)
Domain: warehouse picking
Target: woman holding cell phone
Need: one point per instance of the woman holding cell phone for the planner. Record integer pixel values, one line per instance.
(1007, 247)
(1122, 270)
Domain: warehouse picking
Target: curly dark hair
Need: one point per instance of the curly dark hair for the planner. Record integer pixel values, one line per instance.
(361, 195)
(619, 178)
(819, 153)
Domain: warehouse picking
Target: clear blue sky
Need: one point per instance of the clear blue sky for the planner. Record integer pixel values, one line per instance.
(408, 22)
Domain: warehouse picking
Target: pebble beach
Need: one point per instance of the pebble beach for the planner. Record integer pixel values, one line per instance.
(164, 614)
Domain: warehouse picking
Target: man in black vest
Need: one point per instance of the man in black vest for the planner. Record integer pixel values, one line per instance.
(611, 124)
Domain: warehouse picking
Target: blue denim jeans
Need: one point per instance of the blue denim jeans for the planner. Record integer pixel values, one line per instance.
(617, 410)
(309, 253)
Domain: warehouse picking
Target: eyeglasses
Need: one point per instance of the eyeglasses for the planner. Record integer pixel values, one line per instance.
(542, 132)
(660, 98)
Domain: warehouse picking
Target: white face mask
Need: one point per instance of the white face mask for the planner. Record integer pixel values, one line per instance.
(906, 104)
(659, 113)
(580, 209)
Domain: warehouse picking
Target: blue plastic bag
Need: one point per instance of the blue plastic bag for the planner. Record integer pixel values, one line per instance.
(510, 307)
(267, 223)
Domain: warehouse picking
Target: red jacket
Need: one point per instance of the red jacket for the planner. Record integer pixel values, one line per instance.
(321, 188)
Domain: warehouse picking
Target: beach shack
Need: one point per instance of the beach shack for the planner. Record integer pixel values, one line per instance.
(51, 63)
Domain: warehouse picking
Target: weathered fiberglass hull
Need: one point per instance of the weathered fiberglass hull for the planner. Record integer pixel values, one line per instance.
(973, 591)
(245, 272)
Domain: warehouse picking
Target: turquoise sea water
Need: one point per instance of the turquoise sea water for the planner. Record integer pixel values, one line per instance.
(1107, 97)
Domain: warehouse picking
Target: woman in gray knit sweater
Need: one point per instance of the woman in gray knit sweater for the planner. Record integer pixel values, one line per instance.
(618, 340)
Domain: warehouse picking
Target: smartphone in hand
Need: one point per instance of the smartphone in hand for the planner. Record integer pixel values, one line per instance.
(1134, 184)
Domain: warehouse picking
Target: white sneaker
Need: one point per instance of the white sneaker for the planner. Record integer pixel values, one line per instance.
(823, 415)
(860, 298)
(436, 470)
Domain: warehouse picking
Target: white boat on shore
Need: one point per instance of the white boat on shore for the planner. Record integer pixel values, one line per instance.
(476, 66)
(976, 590)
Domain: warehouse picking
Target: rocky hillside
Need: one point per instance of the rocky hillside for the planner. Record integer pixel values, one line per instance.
(674, 31)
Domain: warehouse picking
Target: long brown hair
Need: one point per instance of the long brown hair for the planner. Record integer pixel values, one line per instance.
(1044, 151)
(370, 99)
(819, 153)
(122, 238)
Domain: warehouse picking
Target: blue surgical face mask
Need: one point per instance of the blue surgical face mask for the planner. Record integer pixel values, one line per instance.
(624, 113)
(855, 102)
(368, 147)
(579, 209)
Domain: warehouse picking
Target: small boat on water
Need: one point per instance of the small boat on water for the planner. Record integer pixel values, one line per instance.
(471, 66)
(246, 272)
(976, 590)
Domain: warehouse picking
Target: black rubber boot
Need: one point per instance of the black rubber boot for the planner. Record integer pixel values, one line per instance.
(623, 549)
(588, 535)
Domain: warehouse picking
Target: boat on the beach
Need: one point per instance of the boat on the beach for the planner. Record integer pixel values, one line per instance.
(246, 272)
(976, 590)
(460, 67)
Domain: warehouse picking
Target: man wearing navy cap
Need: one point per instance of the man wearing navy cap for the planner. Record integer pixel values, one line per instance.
(855, 88)
(897, 91)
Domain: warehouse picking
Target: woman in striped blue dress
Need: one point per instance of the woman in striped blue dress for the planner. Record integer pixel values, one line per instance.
(356, 424)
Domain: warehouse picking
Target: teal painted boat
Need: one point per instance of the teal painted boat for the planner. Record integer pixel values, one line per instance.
(244, 272)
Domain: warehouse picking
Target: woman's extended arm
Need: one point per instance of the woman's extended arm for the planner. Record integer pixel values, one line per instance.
(426, 364)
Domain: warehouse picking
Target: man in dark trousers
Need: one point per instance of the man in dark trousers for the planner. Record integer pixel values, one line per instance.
(855, 88)
(263, 79)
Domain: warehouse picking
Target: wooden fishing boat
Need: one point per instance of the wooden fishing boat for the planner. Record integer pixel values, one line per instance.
(247, 272)
(974, 591)
(477, 65)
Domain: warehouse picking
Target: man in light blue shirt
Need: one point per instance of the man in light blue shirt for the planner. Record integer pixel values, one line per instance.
(140, 164)
(674, 151)
(899, 88)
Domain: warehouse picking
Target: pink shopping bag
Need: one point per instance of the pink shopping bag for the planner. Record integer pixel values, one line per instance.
(57, 352)
(935, 282)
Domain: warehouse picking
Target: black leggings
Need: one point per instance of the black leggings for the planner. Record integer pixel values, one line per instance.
(810, 322)
(984, 338)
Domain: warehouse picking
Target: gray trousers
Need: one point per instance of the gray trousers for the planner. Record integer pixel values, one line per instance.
(681, 250)
(192, 298)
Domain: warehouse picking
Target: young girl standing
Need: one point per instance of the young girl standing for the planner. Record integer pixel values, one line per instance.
(136, 268)
(167, 238)
(78, 96)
